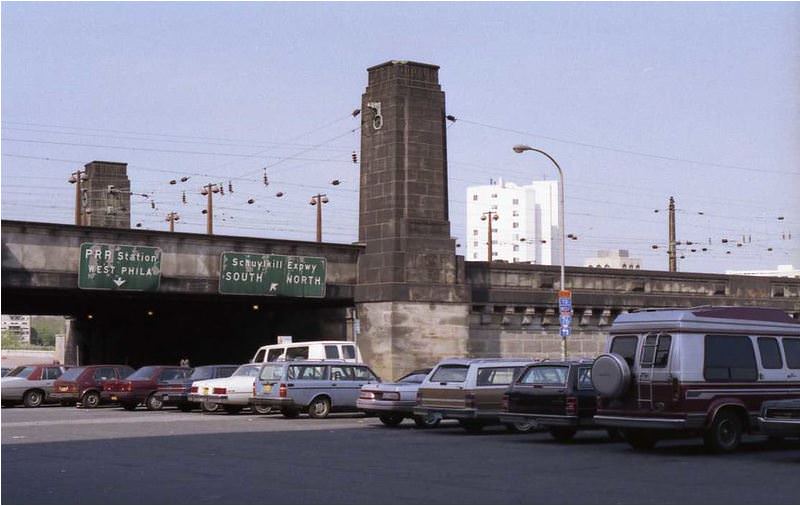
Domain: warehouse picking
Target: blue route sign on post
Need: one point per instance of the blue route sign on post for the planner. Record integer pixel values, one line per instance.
(565, 311)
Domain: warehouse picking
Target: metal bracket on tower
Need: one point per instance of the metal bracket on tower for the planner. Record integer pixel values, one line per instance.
(377, 121)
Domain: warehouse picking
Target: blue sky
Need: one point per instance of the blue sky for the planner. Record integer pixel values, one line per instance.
(637, 102)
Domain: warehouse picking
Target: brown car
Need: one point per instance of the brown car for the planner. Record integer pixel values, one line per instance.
(470, 391)
(84, 384)
(147, 385)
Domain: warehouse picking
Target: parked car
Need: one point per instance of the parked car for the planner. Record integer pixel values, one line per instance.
(312, 350)
(177, 393)
(780, 419)
(394, 402)
(317, 387)
(32, 385)
(556, 395)
(143, 385)
(700, 371)
(84, 384)
(4, 371)
(232, 393)
(470, 391)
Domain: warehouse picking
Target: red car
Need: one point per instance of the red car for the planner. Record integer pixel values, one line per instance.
(144, 385)
(84, 384)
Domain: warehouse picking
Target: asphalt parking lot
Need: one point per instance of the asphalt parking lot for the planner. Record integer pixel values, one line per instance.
(107, 455)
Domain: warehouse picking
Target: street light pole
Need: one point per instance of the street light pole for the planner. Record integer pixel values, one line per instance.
(172, 217)
(76, 178)
(489, 217)
(318, 200)
(520, 148)
(209, 190)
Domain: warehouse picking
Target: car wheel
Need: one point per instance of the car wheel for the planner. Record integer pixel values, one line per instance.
(209, 407)
(232, 409)
(391, 419)
(640, 440)
(128, 406)
(319, 407)
(186, 407)
(33, 398)
(520, 427)
(153, 402)
(90, 400)
(262, 410)
(562, 434)
(725, 434)
(290, 413)
(428, 421)
(471, 426)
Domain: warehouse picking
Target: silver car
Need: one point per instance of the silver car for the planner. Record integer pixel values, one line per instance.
(394, 402)
(31, 385)
(315, 386)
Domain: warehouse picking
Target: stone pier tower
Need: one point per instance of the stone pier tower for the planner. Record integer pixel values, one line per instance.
(411, 298)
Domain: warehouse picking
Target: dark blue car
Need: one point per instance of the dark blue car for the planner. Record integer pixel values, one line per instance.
(177, 394)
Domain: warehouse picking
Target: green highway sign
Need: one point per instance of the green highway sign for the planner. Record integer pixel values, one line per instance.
(119, 267)
(266, 274)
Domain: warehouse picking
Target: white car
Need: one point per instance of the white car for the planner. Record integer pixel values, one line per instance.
(232, 393)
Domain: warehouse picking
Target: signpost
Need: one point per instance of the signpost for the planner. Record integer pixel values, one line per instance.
(119, 267)
(275, 275)
(565, 317)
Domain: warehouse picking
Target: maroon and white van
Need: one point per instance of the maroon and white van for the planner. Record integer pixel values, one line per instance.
(700, 371)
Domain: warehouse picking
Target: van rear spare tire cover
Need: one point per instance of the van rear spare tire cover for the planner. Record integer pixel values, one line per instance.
(611, 375)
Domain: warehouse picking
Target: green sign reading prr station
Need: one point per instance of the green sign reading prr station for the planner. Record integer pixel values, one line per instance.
(119, 267)
(267, 274)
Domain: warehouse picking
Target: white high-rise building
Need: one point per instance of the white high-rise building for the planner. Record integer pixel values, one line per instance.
(527, 222)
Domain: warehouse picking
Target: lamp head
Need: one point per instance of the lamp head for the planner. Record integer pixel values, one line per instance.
(519, 148)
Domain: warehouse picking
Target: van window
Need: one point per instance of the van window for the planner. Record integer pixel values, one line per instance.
(791, 348)
(272, 372)
(625, 346)
(490, 376)
(331, 351)
(259, 356)
(293, 353)
(363, 373)
(450, 373)
(551, 375)
(306, 372)
(349, 351)
(585, 378)
(341, 373)
(655, 351)
(729, 358)
(770, 353)
(274, 354)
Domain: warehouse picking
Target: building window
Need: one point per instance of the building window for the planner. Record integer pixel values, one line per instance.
(494, 241)
(475, 197)
(515, 213)
(475, 232)
(494, 195)
(516, 247)
(515, 202)
(494, 230)
(515, 225)
(475, 243)
(474, 255)
(494, 207)
(516, 259)
(494, 253)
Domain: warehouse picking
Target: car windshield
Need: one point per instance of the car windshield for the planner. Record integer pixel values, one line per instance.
(455, 373)
(72, 374)
(272, 372)
(414, 377)
(247, 370)
(143, 373)
(21, 372)
(545, 375)
(202, 373)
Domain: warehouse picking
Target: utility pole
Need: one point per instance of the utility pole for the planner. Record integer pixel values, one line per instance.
(76, 178)
(318, 200)
(172, 217)
(209, 190)
(673, 262)
(489, 217)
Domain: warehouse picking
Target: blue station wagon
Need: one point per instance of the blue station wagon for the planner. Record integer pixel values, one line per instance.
(315, 386)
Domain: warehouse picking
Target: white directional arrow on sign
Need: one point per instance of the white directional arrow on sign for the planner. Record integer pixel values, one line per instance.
(273, 287)
(119, 282)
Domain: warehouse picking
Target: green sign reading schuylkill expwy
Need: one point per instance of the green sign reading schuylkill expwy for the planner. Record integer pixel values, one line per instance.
(259, 274)
(119, 267)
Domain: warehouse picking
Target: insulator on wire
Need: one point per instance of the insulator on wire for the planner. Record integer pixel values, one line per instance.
(250, 201)
(266, 179)
(355, 157)
(230, 187)
(222, 190)
(183, 197)
(152, 204)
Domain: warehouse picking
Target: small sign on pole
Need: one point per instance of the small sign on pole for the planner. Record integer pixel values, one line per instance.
(284, 339)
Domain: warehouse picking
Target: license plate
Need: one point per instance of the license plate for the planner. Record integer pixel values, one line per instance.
(205, 391)
(113, 397)
(267, 389)
(63, 389)
(166, 397)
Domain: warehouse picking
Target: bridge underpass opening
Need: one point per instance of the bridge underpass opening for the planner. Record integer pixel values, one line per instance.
(141, 329)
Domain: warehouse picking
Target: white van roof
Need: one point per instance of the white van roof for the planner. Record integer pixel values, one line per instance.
(739, 320)
(306, 343)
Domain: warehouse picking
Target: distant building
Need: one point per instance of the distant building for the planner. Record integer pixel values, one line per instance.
(107, 195)
(783, 271)
(616, 259)
(526, 225)
(17, 325)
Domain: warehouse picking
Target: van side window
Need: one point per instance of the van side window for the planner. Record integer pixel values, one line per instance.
(296, 352)
(585, 378)
(259, 356)
(349, 351)
(492, 376)
(770, 353)
(729, 358)
(791, 348)
(625, 346)
(331, 351)
(274, 354)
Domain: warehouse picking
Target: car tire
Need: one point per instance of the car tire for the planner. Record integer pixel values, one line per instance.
(128, 406)
(471, 426)
(153, 403)
(232, 409)
(520, 427)
(209, 407)
(563, 434)
(262, 410)
(186, 407)
(428, 421)
(391, 419)
(319, 408)
(640, 440)
(90, 400)
(33, 398)
(290, 413)
(725, 433)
